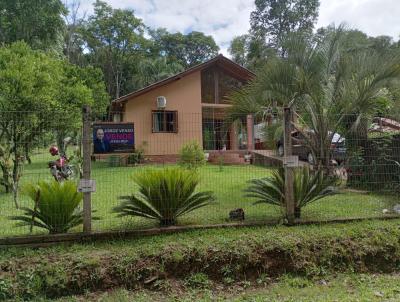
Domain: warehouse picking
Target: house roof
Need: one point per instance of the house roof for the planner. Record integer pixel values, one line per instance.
(231, 67)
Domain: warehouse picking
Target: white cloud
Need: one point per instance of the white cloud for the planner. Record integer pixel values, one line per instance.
(222, 19)
(375, 17)
(225, 19)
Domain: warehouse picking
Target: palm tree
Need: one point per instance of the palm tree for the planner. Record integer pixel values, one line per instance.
(329, 87)
(308, 187)
(56, 207)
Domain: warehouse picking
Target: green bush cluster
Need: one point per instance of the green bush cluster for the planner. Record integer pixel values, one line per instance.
(373, 167)
(191, 155)
(135, 158)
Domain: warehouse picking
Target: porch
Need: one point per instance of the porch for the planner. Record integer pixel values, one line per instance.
(219, 134)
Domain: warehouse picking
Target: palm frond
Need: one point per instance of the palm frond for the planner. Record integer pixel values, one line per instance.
(164, 195)
(308, 187)
(55, 206)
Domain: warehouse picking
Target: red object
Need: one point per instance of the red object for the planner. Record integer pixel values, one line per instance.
(53, 150)
(60, 162)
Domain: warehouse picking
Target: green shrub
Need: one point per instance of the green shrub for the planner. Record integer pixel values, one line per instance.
(198, 280)
(191, 155)
(308, 186)
(164, 195)
(373, 166)
(55, 206)
(135, 158)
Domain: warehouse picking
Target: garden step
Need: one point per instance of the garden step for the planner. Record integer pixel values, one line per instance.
(228, 158)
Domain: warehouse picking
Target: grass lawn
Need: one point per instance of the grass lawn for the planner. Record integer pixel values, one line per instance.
(227, 186)
(343, 288)
(342, 262)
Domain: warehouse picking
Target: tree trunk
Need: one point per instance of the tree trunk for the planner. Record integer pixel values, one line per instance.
(62, 147)
(26, 151)
(297, 212)
(6, 178)
(165, 222)
(16, 175)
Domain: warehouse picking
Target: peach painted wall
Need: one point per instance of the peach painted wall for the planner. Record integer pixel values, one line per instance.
(184, 96)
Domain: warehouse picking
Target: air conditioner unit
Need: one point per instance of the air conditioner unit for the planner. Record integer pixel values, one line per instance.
(161, 102)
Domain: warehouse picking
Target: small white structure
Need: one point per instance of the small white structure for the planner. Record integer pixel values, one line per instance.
(161, 102)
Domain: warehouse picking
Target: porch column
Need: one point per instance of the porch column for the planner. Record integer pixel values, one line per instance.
(250, 134)
(234, 137)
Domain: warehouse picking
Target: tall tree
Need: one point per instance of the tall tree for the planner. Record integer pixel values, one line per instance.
(155, 69)
(73, 39)
(239, 49)
(199, 48)
(39, 23)
(115, 41)
(186, 50)
(249, 51)
(39, 94)
(273, 20)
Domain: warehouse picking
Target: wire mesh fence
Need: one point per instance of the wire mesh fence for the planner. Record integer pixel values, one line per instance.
(25, 140)
(167, 167)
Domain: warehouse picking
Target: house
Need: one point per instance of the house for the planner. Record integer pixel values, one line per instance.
(188, 106)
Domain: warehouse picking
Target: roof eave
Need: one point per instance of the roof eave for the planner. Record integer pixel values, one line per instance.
(180, 75)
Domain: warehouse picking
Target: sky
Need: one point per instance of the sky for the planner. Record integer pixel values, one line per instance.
(225, 19)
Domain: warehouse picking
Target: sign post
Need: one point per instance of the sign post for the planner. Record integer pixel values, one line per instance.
(86, 146)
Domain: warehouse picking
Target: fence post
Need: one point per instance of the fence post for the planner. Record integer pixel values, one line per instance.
(86, 149)
(250, 132)
(287, 141)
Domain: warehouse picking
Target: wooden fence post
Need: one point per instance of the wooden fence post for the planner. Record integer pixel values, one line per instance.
(287, 141)
(86, 149)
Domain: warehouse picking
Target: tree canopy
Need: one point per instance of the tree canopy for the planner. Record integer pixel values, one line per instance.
(39, 23)
(273, 20)
(39, 94)
(270, 24)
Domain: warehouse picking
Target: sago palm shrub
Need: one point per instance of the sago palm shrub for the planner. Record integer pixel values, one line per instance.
(164, 195)
(308, 186)
(55, 206)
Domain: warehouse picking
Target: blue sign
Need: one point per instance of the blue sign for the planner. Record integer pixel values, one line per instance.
(113, 138)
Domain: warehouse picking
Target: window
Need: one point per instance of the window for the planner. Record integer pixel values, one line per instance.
(226, 84)
(165, 121)
(208, 86)
(216, 85)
